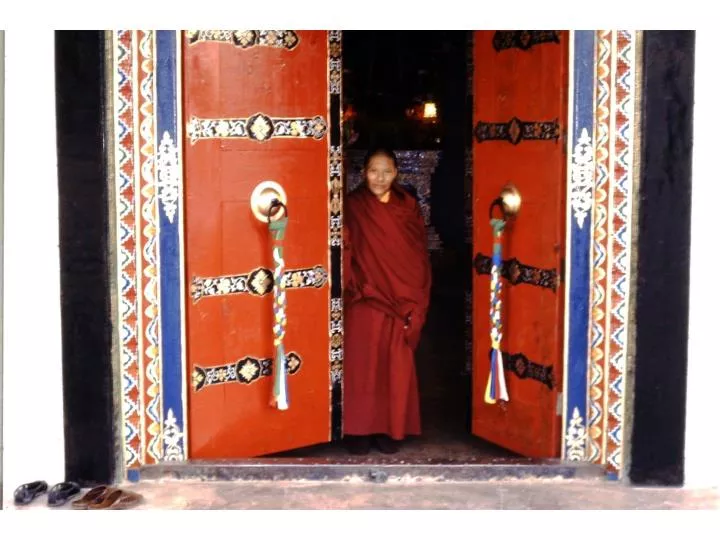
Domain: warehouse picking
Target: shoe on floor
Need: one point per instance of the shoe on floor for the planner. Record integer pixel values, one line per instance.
(95, 495)
(61, 493)
(358, 445)
(26, 493)
(386, 444)
(116, 499)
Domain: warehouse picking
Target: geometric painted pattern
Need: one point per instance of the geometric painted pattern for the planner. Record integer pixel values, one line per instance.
(620, 237)
(138, 246)
(129, 337)
(598, 352)
(615, 104)
(149, 228)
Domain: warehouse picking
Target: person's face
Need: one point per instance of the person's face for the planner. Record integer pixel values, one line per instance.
(380, 174)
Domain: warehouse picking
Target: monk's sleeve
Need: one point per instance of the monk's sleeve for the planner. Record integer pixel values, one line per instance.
(419, 315)
(347, 277)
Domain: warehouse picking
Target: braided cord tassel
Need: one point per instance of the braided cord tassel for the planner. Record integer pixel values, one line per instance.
(496, 388)
(279, 398)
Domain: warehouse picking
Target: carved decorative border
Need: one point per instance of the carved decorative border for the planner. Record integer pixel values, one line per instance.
(335, 228)
(336, 202)
(244, 371)
(259, 127)
(335, 62)
(516, 131)
(259, 282)
(523, 39)
(518, 273)
(246, 39)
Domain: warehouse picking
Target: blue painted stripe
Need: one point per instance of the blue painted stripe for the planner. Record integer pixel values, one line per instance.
(170, 264)
(579, 286)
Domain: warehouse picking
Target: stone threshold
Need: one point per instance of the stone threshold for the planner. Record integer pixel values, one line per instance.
(372, 469)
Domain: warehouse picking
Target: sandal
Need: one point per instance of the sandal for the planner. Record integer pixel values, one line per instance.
(26, 493)
(94, 495)
(116, 499)
(61, 493)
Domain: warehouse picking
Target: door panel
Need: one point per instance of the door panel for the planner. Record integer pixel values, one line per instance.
(520, 111)
(228, 150)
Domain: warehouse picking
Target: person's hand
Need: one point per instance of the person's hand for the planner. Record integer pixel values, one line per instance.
(412, 334)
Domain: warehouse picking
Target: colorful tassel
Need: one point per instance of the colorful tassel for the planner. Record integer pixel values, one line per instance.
(496, 388)
(280, 398)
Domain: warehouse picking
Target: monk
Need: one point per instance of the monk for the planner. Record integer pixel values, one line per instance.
(387, 292)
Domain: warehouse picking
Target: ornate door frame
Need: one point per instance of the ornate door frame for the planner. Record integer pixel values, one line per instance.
(145, 158)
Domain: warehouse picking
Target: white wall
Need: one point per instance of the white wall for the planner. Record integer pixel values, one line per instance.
(702, 453)
(32, 386)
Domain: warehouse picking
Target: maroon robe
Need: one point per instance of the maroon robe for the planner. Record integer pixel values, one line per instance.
(387, 283)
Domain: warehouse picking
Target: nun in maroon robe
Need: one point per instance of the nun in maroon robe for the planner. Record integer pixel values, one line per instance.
(387, 289)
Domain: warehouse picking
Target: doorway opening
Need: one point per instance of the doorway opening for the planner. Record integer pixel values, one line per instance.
(411, 91)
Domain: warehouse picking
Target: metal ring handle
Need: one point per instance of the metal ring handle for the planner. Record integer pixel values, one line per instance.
(275, 203)
(498, 203)
(265, 199)
(509, 202)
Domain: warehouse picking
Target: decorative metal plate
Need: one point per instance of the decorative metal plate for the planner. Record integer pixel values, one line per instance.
(259, 282)
(259, 127)
(517, 273)
(515, 131)
(245, 39)
(523, 39)
(523, 368)
(245, 371)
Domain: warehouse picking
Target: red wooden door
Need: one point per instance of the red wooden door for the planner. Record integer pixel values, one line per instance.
(520, 112)
(255, 108)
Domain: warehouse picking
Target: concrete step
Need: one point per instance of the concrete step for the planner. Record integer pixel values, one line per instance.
(377, 470)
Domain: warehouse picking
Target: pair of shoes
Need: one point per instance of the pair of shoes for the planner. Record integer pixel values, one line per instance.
(58, 495)
(386, 444)
(107, 498)
(358, 445)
